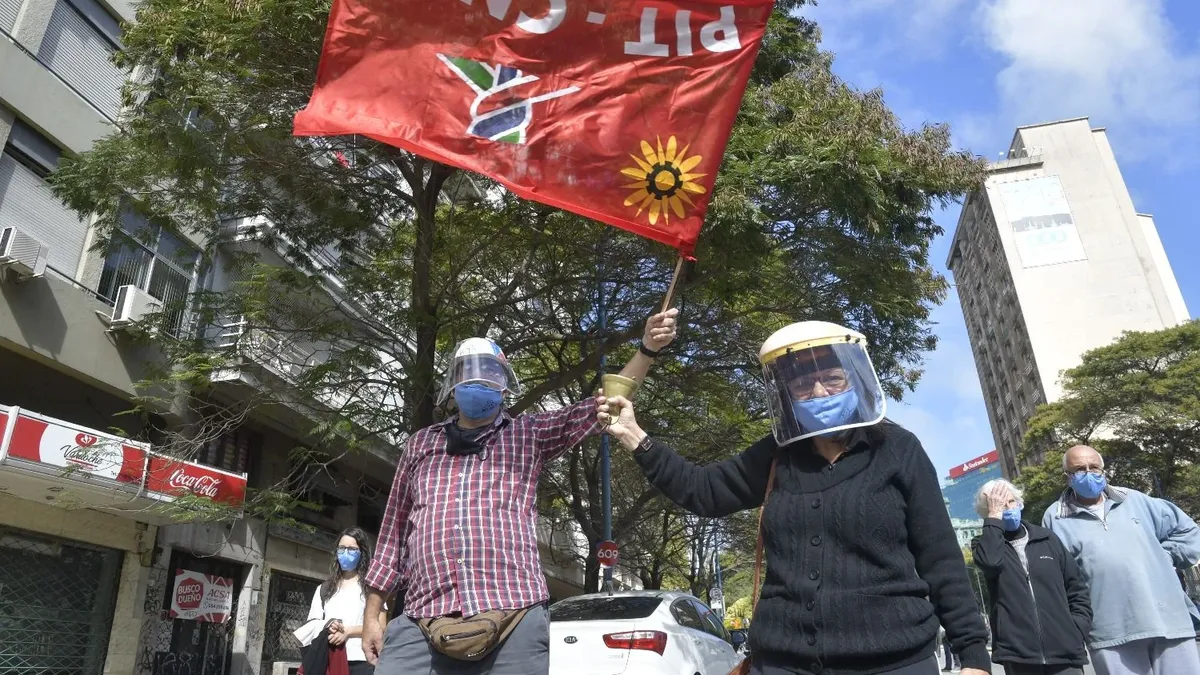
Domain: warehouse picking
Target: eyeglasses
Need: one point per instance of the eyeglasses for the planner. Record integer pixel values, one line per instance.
(833, 381)
(1080, 473)
(347, 549)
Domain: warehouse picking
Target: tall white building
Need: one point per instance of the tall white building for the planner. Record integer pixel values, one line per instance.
(1051, 260)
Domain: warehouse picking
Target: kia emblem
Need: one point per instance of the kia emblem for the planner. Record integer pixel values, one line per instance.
(570, 639)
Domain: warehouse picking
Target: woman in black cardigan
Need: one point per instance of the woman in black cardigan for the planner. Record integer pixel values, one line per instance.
(862, 563)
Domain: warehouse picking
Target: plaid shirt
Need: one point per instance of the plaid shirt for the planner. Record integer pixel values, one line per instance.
(460, 532)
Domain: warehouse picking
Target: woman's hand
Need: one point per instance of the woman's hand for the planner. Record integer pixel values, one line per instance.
(337, 633)
(616, 416)
(998, 500)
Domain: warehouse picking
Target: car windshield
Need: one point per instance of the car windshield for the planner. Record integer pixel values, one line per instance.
(604, 609)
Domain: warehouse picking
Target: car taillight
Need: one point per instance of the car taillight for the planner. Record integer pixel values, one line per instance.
(650, 640)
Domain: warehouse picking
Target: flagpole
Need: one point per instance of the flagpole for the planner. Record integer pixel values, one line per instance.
(605, 453)
(674, 282)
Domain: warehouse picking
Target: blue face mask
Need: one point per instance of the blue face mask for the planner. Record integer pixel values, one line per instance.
(477, 401)
(1089, 485)
(1011, 519)
(348, 560)
(818, 414)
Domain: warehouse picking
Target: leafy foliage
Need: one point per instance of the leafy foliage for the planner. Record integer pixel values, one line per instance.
(347, 266)
(1137, 402)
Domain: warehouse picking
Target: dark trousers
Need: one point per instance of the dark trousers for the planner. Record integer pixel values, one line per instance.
(951, 658)
(1027, 669)
(361, 668)
(926, 667)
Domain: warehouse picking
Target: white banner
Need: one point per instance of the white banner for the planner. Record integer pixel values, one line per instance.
(201, 597)
(1041, 221)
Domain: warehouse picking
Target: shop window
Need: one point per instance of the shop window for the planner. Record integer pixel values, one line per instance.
(56, 607)
(289, 601)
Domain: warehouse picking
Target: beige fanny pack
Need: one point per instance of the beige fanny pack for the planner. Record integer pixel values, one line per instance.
(471, 638)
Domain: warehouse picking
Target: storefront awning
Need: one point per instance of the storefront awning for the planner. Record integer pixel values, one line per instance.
(54, 461)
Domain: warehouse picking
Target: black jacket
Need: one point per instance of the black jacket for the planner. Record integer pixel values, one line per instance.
(1042, 617)
(861, 560)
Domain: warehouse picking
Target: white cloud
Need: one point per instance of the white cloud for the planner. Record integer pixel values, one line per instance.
(1116, 61)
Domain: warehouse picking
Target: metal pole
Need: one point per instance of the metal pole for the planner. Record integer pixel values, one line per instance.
(605, 455)
(720, 583)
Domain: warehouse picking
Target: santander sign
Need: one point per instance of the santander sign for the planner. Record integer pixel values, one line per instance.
(977, 463)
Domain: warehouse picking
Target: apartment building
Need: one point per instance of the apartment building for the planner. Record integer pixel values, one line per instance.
(1051, 259)
(96, 579)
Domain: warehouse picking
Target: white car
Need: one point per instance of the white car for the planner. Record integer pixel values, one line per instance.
(639, 633)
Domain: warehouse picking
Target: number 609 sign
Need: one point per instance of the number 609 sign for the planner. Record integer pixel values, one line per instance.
(606, 553)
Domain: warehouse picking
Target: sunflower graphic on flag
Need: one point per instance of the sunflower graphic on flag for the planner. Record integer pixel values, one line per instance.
(664, 180)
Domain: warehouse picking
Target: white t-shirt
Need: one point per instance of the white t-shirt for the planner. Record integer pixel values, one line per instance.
(348, 604)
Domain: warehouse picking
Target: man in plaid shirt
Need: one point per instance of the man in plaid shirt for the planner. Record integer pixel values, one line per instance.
(459, 534)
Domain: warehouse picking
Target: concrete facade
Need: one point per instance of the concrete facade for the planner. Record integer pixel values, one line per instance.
(1051, 260)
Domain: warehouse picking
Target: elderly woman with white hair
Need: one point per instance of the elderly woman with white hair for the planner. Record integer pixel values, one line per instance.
(1038, 602)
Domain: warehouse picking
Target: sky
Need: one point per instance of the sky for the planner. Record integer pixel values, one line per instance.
(988, 66)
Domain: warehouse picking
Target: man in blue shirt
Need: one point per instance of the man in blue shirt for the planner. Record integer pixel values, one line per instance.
(1128, 546)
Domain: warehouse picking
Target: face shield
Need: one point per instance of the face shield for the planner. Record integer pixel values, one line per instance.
(478, 361)
(822, 387)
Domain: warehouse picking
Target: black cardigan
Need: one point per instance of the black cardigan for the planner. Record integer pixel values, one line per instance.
(1039, 616)
(862, 562)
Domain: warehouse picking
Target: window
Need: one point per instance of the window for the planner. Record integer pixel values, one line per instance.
(615, 608)
(78, 46)
(27, 202)
(686, 615)
(712, 625)
(232, 451)
(149, 257)
(8, 13)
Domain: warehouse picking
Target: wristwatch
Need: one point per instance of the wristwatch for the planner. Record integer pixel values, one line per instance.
(644, 446)
(647, 351)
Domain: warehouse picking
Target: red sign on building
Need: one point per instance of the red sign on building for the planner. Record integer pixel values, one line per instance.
(173, 477)
(977, 463)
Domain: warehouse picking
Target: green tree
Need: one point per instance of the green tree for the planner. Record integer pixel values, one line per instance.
(1136, 401)
(822, 210)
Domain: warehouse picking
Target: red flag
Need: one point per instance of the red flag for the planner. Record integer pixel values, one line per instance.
(618, 110)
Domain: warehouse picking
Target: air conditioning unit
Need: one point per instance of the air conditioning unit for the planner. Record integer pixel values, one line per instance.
(132, 306)
(22, 254)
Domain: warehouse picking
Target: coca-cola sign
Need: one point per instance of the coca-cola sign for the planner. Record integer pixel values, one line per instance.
(175, 478)
(201, 486)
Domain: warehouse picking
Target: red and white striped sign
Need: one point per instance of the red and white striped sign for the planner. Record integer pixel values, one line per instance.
(52, 442)
(201, 597)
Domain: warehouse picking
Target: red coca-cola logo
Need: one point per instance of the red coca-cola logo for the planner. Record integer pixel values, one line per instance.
(188, 594)
(201, 486)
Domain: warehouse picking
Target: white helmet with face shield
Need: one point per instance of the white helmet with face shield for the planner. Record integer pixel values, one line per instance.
(478, 361)
(819, 381)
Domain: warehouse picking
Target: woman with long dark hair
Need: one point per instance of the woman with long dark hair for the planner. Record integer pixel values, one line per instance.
(862, 564)
(341, 600)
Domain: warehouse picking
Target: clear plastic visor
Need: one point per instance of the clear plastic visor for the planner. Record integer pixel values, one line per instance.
(479, 369)
(822, 390)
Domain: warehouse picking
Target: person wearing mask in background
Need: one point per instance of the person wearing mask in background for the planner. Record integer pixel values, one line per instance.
(1040, 613)
(459, 532)
(341, 600)
(948, 657)
(861, 561)
(1127, 545)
